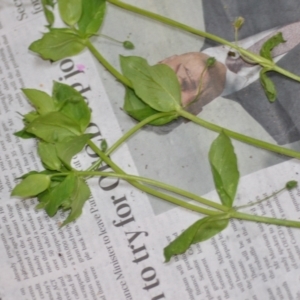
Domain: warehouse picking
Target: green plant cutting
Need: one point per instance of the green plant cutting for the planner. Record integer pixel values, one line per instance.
(153, 96)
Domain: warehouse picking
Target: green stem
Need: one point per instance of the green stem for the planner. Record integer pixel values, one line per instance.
(148, 190)
(154, 183)
(110, 38)
(260, 201)
(267, 220)
(252, 56)
(129, 133)
(211, 126)
(107, 65)
(239, 136)
(230, 213)
(171, 22)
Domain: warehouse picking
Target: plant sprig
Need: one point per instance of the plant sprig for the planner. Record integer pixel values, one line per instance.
(153, 96)
(59, 125)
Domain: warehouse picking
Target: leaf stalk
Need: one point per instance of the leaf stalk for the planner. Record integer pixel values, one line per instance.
(265, 63)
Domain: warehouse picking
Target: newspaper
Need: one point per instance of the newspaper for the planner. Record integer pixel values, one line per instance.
(115, 249)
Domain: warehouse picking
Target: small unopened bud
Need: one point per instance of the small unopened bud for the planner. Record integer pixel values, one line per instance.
(103, 145)
(210, 62)
(238, 23)
(128, 45)
(291, 184)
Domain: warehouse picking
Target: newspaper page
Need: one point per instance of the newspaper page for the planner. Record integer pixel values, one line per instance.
(115, 249)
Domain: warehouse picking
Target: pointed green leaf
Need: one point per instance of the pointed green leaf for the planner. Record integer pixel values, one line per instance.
(79, 112)
(80, 195)
(270, 44)
(156, 85)
(28, 118)
(48, 2)
(200, 231)
(23, 134)
(70, 10)
(224, 167)
(27, 174)
(44, 172)
(40, 100)
(44, 198)
(58, 44)
(268, 85)
(54, 127)
(209, 229)
(48, 155)
(31, 186)
(93, 12)
(60, 193)
(66, 150)
(72, 104)
(48, 13)
(139, 110)
(65, 93)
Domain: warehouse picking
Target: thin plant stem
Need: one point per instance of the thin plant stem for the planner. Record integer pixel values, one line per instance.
(240, 137)
(231, 213)
(154, 183)
(110, 38)
(244, 53)
(266, 220)
(107, 65)
(260, 201)
(130, 133)
(149, 190)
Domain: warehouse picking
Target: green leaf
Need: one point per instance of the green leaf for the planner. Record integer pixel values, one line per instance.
(31, 186)
(80, 195)
(157, 85)
(93, 12)
(54, 127)
(270, 44)
(48, 13)
(268, 85)
(48, 2)
(44, 172)
(28, 118)
(48, 155)
(23, 134)
(40, 100)
(58, 44)
(60, 193)
(72, 104)
(224, 167)
(66, 150)
(70, 10)
(200, 231)
(49, 16)
(65, 93)
(139, 110)
(27, 174)
(43, 197)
